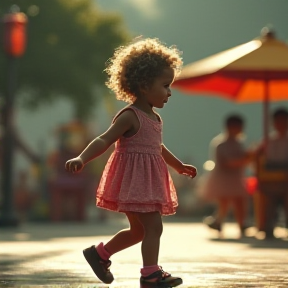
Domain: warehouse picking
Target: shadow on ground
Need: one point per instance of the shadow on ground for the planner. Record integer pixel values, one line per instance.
(13, 276)
(47, 231)
(276, 243)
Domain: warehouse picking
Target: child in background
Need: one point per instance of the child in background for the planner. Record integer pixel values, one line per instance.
(136, 180)
(225, 184)
(275, 153)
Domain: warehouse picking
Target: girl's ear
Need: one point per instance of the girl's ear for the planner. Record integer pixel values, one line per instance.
(143, 88)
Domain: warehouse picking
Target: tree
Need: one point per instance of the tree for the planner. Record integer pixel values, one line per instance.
(67, 46)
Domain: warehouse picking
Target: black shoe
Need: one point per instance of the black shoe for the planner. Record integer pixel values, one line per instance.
(212, 223)
(160, 278)
(99, 266)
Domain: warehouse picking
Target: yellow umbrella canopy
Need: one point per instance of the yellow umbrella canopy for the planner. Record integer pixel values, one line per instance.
(251, 72)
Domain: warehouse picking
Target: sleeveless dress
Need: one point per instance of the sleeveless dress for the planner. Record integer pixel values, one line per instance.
(222, 181)
(136, 177)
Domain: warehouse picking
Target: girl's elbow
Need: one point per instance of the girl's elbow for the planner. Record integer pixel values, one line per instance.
(106, 142)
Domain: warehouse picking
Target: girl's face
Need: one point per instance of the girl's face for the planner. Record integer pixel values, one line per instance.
(159, 91)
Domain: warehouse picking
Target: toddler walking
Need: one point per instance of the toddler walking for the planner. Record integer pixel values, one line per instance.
(136, 180)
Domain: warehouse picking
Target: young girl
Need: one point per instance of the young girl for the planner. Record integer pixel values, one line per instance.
(225, 183)
(135, 180)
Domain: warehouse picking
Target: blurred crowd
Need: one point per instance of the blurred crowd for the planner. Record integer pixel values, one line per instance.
(251, 182)
(229, 186)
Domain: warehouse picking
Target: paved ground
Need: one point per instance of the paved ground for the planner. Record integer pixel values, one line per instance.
(50, 256)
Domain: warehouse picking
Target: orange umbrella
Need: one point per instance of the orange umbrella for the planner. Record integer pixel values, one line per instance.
(251, 72)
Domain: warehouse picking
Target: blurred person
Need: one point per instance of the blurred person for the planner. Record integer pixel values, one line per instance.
(273, 158)
(136, 180)
(225, 184)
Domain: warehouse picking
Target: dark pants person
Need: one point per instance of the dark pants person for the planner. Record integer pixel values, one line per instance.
(277, 196)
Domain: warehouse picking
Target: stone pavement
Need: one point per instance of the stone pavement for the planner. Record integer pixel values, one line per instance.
(50, 255)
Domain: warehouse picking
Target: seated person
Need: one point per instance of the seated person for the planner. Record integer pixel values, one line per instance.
(275, 153)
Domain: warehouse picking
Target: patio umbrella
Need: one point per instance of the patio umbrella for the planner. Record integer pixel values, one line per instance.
(252, 72)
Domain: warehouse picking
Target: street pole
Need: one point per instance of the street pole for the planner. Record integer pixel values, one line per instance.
(14, 47)
(8, 217)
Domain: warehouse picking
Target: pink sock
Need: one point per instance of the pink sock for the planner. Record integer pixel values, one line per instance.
(147, 270)
(103, 253)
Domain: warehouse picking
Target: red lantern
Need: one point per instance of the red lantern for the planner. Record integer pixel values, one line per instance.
(15, 33)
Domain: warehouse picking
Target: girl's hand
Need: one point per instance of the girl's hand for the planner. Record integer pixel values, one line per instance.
(74, 165)
(188, 170)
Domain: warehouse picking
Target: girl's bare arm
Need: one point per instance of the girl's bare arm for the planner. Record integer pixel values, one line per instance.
(123, 123)
(176, 164)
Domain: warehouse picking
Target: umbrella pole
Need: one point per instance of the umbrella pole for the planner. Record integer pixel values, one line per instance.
(266, 112)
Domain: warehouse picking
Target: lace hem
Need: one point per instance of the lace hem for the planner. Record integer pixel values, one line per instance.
(165, 210)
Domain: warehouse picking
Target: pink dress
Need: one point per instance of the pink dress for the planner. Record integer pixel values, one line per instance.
(136, 177)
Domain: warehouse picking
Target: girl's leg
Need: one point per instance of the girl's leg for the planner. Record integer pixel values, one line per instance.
(239, 205)
(221, 212)
(126, 237)
(223, 206)
(151, 272)
(153, 227)
(99, 259)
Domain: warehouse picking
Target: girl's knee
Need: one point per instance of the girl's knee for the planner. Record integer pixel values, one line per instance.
(137, 232)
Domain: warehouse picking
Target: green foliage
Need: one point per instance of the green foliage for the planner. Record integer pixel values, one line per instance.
(68, 43)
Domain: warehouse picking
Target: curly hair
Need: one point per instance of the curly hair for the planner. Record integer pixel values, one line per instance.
(136, 65)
